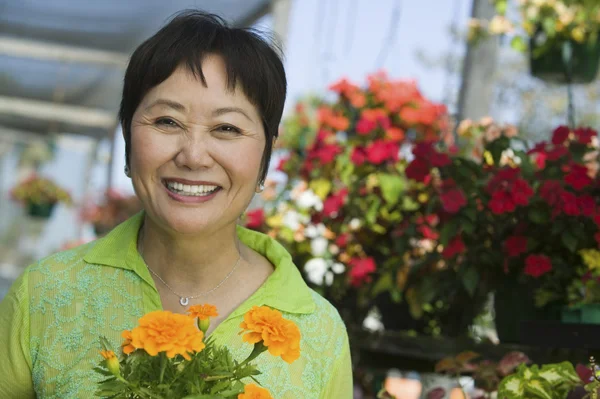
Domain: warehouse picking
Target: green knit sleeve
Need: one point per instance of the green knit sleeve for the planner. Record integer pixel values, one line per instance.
(15, 362)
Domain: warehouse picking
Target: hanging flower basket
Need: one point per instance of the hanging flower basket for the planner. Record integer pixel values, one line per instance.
(42, 211)
(564, 61)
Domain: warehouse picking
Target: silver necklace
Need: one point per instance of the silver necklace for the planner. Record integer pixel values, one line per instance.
(183, 299)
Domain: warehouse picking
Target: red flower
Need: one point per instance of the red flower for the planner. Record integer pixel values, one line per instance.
(501, 202)
(508, 190)
(550, 192)
(537, 265)
(361, 270)
(255, 218)
(569, 203)
(585, 135)
(560, 135)
(365, 126)
(515, 245)
(454, 247)
(453, 200)
(556, 153)
(521, 192)
(586, 204)
(326, 153)
(358, 156)
(333, 203)
(342, 240)
(417, 170)
(282, 162)
(597, 219)
(578, 177)
(427, 232)
(380, 151)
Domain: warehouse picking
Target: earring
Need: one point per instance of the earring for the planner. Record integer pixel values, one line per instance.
(127, 171)
(261, 188)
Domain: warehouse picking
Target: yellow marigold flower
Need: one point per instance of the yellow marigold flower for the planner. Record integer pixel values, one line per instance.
(253, 391)
(126, 345)
(112, 363)
(591, 258)
(164, 331)
(280, 336)
(203, 313)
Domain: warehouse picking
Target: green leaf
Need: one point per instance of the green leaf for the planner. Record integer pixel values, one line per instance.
(371, 215)
(385, 283)
(321, 187)
(470, 279)
(539, 215)
(409, 205)
(448, 231)
(392, 186)
(501, 6)
(569, 240)
(511, 387)
(539, 388)
(518, 44)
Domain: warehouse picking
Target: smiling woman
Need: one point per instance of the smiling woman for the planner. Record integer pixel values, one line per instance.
(200, 111)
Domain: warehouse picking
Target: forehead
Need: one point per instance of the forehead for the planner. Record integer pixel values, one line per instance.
(188, 89)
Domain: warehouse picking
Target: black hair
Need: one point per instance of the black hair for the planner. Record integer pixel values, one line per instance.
(251, 61)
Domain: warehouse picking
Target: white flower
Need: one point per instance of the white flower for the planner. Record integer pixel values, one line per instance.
(313, 231)
(354, 224)
(328, 278)
(308, 199)
(338, 268)
(372, 323)
(315, 270)
(293, 220)
(318, 246)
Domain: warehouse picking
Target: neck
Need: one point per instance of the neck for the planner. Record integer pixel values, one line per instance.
(189, 264)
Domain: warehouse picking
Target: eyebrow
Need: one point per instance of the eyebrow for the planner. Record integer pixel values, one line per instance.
(181, 108)
(168, 103)
(226, 110)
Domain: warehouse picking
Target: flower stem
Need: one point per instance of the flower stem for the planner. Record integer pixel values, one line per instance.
(163, 366)
(258, 349)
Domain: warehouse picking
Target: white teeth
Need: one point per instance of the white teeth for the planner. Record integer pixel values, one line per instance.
(192, 190)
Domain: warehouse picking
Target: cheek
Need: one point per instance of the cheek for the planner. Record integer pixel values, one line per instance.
(148, 150)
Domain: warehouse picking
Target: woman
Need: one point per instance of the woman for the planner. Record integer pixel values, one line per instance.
(200, 111)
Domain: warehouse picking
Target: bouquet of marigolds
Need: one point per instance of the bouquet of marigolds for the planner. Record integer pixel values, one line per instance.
(168, 356)
(39, 190)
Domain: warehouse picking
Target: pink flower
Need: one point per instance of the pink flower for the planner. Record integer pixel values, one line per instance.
(453, 200)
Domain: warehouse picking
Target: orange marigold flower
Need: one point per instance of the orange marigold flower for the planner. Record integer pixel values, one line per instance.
(164, 331)
(280, 336)
(126, 345)
(203, 312)
(111, 361)
(253, 391)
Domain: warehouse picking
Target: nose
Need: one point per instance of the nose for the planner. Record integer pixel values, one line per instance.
(195, 151)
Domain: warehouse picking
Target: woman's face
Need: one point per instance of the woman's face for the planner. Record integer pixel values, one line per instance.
(196, 151)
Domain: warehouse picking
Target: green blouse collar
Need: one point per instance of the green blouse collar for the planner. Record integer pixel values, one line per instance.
(284, 289)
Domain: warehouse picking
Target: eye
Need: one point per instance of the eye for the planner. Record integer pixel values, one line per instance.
(166, 122)
(228, 129)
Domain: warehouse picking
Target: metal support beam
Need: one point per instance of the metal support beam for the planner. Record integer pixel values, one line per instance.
(479, 68)
(280, 9)
(10, 135)
(47, 111)
(22, 48)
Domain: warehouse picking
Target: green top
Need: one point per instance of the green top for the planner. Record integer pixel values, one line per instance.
(54, 313)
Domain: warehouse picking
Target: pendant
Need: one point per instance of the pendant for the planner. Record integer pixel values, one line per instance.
(184, 301)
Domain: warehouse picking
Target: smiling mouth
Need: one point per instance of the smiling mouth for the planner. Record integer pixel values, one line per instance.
(190, 190)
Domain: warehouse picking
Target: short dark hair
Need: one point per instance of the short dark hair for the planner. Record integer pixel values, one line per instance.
(191, 35)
